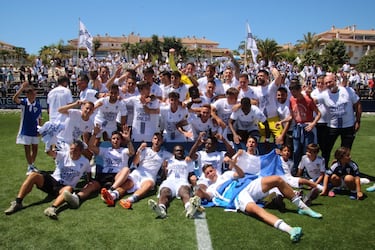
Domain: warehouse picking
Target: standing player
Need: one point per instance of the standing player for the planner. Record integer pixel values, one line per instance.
(31, 117)
(108, 108)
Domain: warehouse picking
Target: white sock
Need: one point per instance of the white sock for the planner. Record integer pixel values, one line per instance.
(320, 187)
(187, 204)
(162, 206)
(115, 194)
(281, 225)
(296, 200)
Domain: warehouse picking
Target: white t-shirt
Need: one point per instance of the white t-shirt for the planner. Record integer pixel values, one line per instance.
(223, 109)
(129, 107)
(313, 168)
(151, 161)
(168, 121)
(249, 93)
(198, 125)
(248, 122)
(283, 112)
(221, 179)
(69, 171)
(156, 90)
(179, 169)
(144, 125)
(58, 97)
(340, 107)
(266, 95)
(219, 89)
(75, 126)
(181, 90)
(88, 95)
(114, 159)
(107, 113)
(323, 110)
(216, 159)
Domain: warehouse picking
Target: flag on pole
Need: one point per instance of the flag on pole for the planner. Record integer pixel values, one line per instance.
(85, 38)
(251, 44)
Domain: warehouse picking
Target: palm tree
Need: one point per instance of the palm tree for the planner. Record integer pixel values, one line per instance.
(242, 47)
(97, 44)
(309, 42)
(269, 50)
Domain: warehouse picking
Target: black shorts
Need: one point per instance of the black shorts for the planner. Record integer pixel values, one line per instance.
(50, 185)
(105, 179)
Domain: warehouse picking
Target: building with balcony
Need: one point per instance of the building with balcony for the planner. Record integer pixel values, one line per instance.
(113, 45)
(357, 42)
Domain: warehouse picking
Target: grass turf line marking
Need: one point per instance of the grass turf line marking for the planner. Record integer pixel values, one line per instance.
(202, 233)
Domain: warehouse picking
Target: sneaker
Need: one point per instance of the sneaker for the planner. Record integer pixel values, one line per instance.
(295, 234)
(371, 189)
(310, 212)
(51, 212)
(14, 207)
(353, 195)
(331, 194)
(159, 210)
(364, 181)
(32, 168)
(312, 195)
(126, 204)
(71, 199)
(195, 203)
(106, 195)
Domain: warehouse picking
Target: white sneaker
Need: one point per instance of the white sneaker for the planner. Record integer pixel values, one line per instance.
(32, 168)
(71, 199)
(195, 203)
(364, 181)
(159, 211)
(51, 212)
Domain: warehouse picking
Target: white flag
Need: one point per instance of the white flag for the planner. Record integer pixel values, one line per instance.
(85, 38)
(251, 44)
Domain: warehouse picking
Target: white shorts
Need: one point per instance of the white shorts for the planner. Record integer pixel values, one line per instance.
(138, 177)
(27, 140)
(252, 193)
(292, 181)
(174, 185)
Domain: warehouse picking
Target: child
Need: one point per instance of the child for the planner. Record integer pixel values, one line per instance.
(312, 165)
(343, 171)
(31, 117)
(296, 182)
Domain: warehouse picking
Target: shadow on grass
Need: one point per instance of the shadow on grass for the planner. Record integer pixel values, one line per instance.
(47, 199)
(371, 178)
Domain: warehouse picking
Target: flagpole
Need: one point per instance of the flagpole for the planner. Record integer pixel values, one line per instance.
(79, 20)
(246, 47)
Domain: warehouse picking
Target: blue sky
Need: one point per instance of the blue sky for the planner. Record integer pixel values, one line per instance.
(33, 24)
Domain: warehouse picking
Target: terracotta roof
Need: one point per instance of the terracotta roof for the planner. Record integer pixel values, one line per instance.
(349, 30)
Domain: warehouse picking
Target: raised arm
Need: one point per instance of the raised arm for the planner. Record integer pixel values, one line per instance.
(16, 98)
(64, 109)
(196, 145)
(92, 142)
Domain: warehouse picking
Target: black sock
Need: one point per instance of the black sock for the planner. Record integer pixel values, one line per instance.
(19, 200)
(79, 198)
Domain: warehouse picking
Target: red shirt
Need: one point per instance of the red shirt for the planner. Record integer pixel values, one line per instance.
(302, 109)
